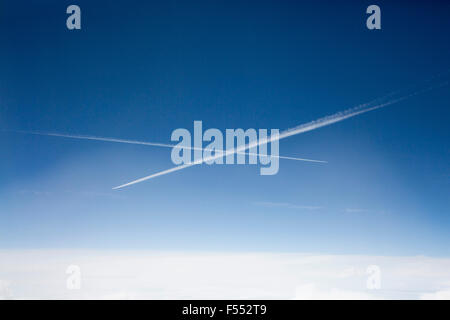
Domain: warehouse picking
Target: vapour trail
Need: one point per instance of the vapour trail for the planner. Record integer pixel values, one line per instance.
(153, 144)
(313, 125)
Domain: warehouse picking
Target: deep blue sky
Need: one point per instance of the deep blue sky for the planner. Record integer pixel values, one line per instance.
(139, 70)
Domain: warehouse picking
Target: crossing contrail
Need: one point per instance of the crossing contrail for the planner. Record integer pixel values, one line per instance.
(153, 144)
(309, 126)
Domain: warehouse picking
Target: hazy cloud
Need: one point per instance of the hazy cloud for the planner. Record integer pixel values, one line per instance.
(188, 275)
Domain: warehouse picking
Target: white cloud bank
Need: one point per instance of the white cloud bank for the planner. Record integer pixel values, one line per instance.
(180, 275)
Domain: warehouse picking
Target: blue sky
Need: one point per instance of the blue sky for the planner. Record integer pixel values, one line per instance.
(139, 71)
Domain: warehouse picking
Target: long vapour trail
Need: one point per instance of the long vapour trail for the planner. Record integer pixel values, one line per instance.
(309, 126)
(153, 144)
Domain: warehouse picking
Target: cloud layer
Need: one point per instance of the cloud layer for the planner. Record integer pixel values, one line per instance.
(171, 275)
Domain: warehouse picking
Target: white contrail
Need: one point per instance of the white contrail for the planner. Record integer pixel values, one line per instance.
(153, 144)
(322, 122)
